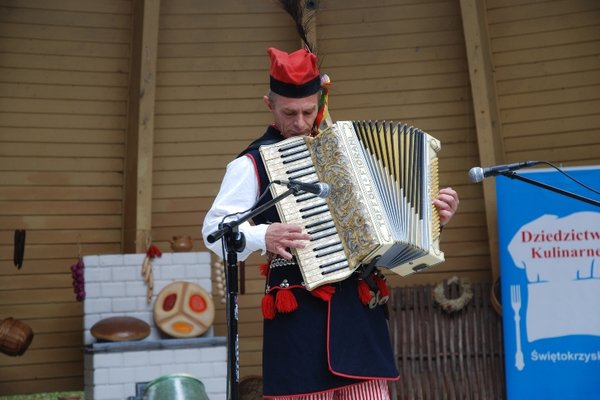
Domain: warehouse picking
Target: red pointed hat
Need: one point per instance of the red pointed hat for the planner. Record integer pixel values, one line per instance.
(295, 74)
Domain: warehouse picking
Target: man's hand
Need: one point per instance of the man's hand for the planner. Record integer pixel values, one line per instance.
(447, 204)
(280, 237)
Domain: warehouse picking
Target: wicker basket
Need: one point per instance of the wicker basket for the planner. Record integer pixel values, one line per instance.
(15, 337)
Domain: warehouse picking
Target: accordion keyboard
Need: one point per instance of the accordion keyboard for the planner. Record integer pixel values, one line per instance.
(324, 256)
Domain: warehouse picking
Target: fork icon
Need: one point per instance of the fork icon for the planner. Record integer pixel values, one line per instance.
(515, 302)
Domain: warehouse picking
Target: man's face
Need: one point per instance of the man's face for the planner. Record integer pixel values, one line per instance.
(293, 117)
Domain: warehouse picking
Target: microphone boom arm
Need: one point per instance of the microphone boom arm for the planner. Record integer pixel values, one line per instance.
(514, 175)
(228, 227)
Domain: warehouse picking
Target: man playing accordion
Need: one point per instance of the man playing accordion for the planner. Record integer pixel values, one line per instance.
(321, 344)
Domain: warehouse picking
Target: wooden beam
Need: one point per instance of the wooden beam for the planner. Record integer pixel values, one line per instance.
(137, 213)
(485, 108)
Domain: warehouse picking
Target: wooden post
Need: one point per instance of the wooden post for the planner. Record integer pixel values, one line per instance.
(137, 213)
(483, 87)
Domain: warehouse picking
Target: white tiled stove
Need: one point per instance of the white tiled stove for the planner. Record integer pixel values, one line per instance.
(115, 287)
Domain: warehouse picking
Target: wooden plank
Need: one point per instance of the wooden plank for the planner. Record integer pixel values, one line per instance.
(572, 138)
(56, 325)
(237, 121)
(33, 135)
(106, 6)
(63, 178)
(549, 97)
(233, 7)
(140, 135)
(67, 17)
(8, 163)
(43, 67)
(61, 91)
(576, 155)
(67, 33)
(39, 252)
(64, 354)
(59, 193)
(26, 387)
(41, 120)
(538, 10)
(32, 296)
(391, 27)
(218, 49)
(197, 148)
(552, 126)
(43, 267)
(489, 129)
(551, 111)
(553, 67)
(72, 107)
(399, 41)
(554, 37)
(396, 71)
(59, 208)
(214, 133)
(62, 149)
(342, 12)
(43, 372)
(69, 48)
(53, 310)
(183, 191)
(546, 53)
(559, 22)
(197, 19)
(208, 106)
(208, 35)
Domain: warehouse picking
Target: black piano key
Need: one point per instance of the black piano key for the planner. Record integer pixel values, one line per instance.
(317, 223)
(324, 235)
(327, 245)
(321, 229)
(333, 266)
(327, 253)
(315, 213)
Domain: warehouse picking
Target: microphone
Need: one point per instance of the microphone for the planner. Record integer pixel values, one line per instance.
(477, 174)
(320, 189)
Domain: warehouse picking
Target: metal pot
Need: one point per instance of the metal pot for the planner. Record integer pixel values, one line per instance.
(175, 387)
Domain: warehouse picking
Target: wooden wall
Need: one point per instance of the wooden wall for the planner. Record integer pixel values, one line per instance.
(63, 94)
(547, 63)
(64, 84)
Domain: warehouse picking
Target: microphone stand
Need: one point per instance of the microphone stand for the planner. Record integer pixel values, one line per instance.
(235, 242)
(514, 175)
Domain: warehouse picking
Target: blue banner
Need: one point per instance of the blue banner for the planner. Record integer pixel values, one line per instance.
(549, 248)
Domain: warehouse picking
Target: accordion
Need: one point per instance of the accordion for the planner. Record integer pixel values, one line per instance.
(383, 178)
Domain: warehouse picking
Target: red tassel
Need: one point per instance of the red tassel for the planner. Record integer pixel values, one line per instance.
(153, 252)
(263, 268)
(384, 290)
(364, 292)
(268, 306)
(324, 292)
(285, 301)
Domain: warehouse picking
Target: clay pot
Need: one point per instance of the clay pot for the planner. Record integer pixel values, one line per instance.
(181, 243)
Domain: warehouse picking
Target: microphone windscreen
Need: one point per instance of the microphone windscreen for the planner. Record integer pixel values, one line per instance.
(476, 174)
(325, 190)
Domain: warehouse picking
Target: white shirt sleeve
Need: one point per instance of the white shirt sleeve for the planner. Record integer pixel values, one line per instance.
(239, 191)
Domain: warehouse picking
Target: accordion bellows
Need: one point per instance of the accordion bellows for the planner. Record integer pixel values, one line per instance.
(383, 178)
